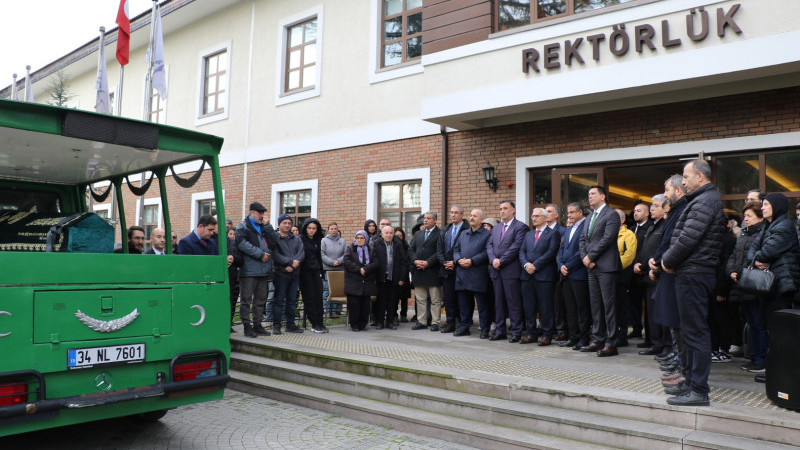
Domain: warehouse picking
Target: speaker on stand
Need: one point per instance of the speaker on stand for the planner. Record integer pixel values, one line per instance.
(783, 359)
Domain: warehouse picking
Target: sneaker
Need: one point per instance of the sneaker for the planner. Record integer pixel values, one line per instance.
(317, 329)
(757, 368)
(276, 331)
(736, 351)
(720, 357)
(752, 366)
(324, 329)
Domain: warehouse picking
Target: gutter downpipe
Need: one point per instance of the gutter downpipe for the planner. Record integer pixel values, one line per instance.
(445, 148)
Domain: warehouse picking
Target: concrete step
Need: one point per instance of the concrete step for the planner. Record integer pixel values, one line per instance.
(412, 420)
(720, 420)
(539, 419)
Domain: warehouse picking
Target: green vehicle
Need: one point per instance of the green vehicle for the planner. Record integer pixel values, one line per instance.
(86, 333)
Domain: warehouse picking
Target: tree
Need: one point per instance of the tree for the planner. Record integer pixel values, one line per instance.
(60, 92)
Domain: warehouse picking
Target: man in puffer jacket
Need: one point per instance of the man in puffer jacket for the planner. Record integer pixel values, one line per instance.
(255, 241)
(693, 255)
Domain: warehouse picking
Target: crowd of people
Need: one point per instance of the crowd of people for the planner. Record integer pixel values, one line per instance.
(667, 274)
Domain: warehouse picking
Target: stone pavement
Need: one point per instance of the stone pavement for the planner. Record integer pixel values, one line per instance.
(239, 421)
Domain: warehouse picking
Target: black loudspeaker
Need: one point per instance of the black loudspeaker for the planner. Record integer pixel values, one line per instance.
(783, 359)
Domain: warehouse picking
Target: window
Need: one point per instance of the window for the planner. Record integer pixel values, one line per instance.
(214, 84)
(202, 203)
(149, 223)
(401, 203)
(301, 56)
(401, 35)
(517, 13)
(156, 108)
(296, 204)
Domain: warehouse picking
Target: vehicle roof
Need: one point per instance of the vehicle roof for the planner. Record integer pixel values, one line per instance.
(50, 144)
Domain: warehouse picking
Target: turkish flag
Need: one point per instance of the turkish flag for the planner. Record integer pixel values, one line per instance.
(123, 33)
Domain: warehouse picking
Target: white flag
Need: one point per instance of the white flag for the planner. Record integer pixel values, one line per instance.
(28, 88)
(159, 68)
(103, 102)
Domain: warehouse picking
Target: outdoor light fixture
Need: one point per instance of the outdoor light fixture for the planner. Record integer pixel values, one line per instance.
(488, 176)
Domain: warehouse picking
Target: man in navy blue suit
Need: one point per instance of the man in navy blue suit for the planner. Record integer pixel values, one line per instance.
(199, 241)
(576, 281)
(537, 256)
(504, 268)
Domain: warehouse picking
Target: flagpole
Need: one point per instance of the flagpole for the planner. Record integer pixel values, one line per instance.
(148, 102)
(102, 101)
(14, 87)
(28, 85)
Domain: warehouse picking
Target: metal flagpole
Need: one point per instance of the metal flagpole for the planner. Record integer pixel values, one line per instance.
(14, 87)
(148, 98)
(118, 98)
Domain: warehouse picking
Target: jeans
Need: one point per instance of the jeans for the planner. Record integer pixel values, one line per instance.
(285, 302)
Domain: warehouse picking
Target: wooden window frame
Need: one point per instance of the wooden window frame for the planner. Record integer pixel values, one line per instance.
(535, 20)
(404, 37)
(207, 75)
(302, 47)
(400, 210)
(297, 215)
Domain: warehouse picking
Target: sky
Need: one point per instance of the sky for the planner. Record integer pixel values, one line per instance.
(42, 31)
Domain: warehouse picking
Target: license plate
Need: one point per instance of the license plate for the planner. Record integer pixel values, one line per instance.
(80, 358)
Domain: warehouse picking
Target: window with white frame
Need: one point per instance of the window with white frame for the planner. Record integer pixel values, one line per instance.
(300, 53)
(296, 198)
(214, 84)
(401, 195)
(104, 211)
(150, 218)
(401, 31)
(202, 203)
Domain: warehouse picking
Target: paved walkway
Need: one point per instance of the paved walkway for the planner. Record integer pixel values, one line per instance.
(239, 421)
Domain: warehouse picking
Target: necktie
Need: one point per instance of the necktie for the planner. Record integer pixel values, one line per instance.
(204, 242)
(503, 233)
(453, 236)
(536, 237)
(591, 224)
(427, 232)
(388, 262)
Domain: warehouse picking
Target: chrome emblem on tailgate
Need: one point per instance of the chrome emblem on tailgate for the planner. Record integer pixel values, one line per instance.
(107, 326)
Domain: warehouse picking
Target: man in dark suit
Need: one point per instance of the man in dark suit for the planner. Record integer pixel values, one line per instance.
(637, 301)
(472, 275)
(390, 274)
(199, 241)
(447, 266)
(158, 242)
(576, 281)
(504, 268)
(425, 272)
(537, 255)
(553, 216)
(601, 256)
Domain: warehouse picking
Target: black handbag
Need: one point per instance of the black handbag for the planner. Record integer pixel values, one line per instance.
(755, 280)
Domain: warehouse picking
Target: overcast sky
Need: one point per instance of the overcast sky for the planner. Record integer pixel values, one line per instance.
(41, 31)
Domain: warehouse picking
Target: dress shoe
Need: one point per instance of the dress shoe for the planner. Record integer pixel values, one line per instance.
(484, 335)
(670, 368)
(462, 332)
(568, 344)
(622, 343)
(649, 351)
(673, 382)
(448, 329)
(608, 351)
(514, 339)
(418, 326)
(527, 340)
(544, 342)
(259, 330)
(577, 347)
(249, 332)
(391, 325)
(661, 358)
(276, 331)
(379, 326)
(435, 327)
(760, 378)
(679, 389)
(690, 398)
(671, 376)
(294, 329)
(645, 344)
(562, 337)
(593, 347)
(497, 337)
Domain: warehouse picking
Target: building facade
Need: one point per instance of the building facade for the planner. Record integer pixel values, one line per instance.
(348, 110)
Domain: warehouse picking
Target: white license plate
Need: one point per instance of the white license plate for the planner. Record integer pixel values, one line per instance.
(79, 358)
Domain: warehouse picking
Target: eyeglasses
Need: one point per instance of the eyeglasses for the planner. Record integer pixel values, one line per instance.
(360, 238)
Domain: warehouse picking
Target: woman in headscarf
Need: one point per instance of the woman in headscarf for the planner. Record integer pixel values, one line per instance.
(311, 274)
(777, 249)
(371, 228)
(359, 280)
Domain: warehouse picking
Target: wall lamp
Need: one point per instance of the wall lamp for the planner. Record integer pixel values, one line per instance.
(488, 176)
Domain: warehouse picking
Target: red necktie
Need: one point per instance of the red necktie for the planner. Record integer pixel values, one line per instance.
(536, 238)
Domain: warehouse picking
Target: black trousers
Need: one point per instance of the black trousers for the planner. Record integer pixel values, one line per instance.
(659, 335)
(311, 287)
(693, 291)
(358, 309)
(577, 310)
(386, 306)
(450, 298)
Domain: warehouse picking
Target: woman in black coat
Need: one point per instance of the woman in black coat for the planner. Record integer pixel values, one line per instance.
(311, 274)
(777, 248)
(359, 280)
(749, 303)
(404, 291)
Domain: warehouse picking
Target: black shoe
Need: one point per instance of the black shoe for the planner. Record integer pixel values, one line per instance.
(680, 389)
(690, 398)
(434, 327)
(484, 335)
(514, 339)
(448, 329)
(578, 346)
(249, 332)
(379, 326)
(259, 330)
(568, 344)
(294, 329)
(668, 356)
(497, 337)
(418, 326)
(670, 367)
(404, 319)
(622, 343)
(649, 351)
(462, 332)
(276, 331)
(391, 326)
(760, 378)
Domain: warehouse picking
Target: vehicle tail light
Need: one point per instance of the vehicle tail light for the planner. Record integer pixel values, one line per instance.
(190, 370)
(13, 393)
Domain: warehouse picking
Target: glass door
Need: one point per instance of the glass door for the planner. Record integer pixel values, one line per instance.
(572, 185)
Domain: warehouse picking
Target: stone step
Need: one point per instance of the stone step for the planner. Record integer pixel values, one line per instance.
(411, 420)
(768, 426)
(569, 424)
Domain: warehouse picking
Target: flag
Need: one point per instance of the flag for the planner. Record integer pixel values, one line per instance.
(123, 33)
(103, 102)
(28, 88)
(159, 74)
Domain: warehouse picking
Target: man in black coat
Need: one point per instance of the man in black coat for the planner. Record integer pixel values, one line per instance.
(425, 272)
(390, 274)
(693, 255)
(447, 266)
(656, 334)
